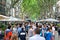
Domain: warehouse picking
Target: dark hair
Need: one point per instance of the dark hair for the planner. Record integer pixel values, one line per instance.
(22, 29)
(9, 27)
(56, 28)
(36, 24)
(37, 31)
(49, 28)
(40, 26)
(30, 26)
(20, 25)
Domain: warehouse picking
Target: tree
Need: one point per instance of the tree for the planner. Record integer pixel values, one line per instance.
(35, 8)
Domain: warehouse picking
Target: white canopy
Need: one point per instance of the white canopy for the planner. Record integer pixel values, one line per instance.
(3, 17)
(40, 20)
(51, 20)
(10, 19)
(13, 19)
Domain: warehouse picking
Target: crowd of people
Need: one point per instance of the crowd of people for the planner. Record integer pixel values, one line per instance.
(34, 31)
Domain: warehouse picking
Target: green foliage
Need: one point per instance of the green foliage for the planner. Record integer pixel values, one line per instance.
(31, 7)
(3, 27)
(34, 8)
(58, 25)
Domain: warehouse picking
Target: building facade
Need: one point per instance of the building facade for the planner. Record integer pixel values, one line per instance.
(58, 9)
(2, 7)
(13, 8)
(16, 9)
(10, 7)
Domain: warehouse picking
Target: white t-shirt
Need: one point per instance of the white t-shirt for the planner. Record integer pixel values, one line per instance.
(53, 30)
(37, 37)
(14, 30)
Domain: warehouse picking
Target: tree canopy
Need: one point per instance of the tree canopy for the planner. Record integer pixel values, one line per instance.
(34, 8)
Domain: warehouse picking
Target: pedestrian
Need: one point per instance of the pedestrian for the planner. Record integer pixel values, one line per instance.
(56, 33)
(23, 34)
(19, 29)
(44, 29)
(48, 34)
(15, 33)
(40, 27)
(36, 35)
(53, 30)
(8, 33)
(30, 32)
(27, 27)
(34, 26)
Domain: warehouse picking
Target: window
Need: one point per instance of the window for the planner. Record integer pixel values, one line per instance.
(0, 0)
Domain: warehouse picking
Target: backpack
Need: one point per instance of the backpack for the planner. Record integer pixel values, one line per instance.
(23, 35)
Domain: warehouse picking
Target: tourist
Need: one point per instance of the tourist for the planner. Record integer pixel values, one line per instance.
(19, 29)
(48, 34)
(15, 32)
(8, 33)
(37, 35)
(30, 32)
(23, 34)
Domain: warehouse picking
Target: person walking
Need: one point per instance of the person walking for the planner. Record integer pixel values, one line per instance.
(27, 27)
(40, 27)
(36, 35)
(56, 33)
(30, 32)
(23, 34)
(8, 33)
(15, 33)
(19, 30)
(48, 35)
(44, 29)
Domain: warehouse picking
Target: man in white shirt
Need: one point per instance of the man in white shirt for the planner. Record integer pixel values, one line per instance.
(37, 35)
